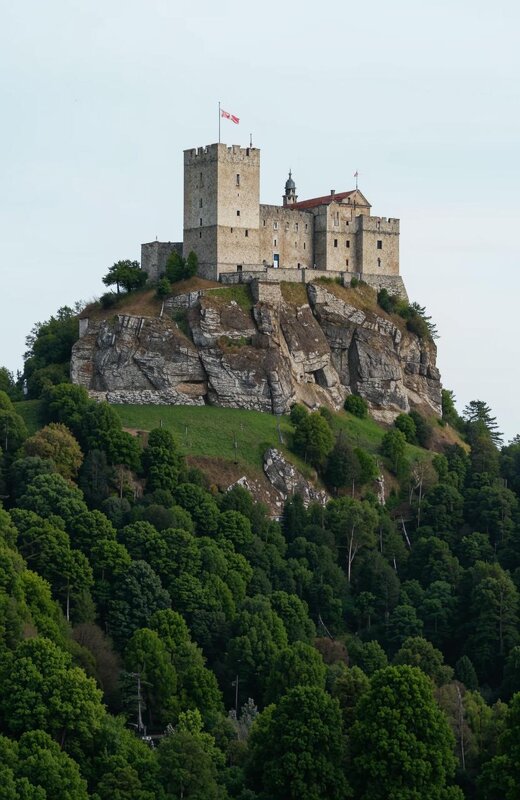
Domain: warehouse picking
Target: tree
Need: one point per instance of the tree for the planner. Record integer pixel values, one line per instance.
(162, 461)
(189, 760)
(419, 652)
(192, 264)
(49, 347)
(12, 427)
(401, 744)
(403, 624)
(136, 594)
(42, 690)
(56, 442)
(342, 467)
(350, 684)
(465, 673)
(127, 275)
(393, 446)
(46, 765)
(477, 411)
(313, 439)
(175, 267)
(298, 664)
(259, 634)
(356, 405)
(500, 777)
(147, 656)
(492, 617)
(9, 385)
(353, 523)
(296, 748)
(406, 425)
(201, 506)
(49, 495)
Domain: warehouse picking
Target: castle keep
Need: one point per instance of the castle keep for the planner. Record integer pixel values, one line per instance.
(237, 238)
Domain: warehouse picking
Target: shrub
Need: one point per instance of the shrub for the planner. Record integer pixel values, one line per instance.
(406, 425)
(354, 282)
(298, 414)
(423, 429)
(326, 413)
(393, 447)
(356, 405)
(163, 288)
(108, 300)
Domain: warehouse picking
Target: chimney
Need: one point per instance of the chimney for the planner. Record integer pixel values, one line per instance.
(332, 192)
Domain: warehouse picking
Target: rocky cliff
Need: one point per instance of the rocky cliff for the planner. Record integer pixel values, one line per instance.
(265, 355)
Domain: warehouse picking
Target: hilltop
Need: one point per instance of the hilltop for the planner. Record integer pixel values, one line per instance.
(262, 346)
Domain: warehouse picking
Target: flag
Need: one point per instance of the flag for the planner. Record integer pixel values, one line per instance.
(227, 115)
(356, 174)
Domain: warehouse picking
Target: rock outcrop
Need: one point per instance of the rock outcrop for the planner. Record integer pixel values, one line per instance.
(206, 348)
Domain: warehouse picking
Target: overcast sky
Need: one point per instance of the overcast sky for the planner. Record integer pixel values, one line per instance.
(99, 99)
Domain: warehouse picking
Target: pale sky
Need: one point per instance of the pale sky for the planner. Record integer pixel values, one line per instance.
(99, 99)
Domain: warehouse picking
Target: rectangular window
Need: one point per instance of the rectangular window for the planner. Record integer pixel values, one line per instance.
(274, 242)
(296, 227)
(238, 179)
(379, 244)
(200, 180)
(247, 232)
(275, 226)
(231, 230)
(238, 213)
(200, 203)
(346, 262)
(335, 242)
(296, 244)
(239, 267)
(200, 234)
(306, 226)
(347, 243)
(264, 223)
(304, 246)
(200, 222)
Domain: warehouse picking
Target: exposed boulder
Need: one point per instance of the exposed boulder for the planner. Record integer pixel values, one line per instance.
(288, 481)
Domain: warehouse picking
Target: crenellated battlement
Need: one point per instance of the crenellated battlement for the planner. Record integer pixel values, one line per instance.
(222, 152)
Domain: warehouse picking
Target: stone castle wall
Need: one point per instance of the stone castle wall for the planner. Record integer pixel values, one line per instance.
(154, 256)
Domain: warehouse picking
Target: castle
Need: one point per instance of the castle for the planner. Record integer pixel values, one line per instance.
(237, 238)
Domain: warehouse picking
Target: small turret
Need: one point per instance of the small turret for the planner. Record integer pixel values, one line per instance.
(290, 197)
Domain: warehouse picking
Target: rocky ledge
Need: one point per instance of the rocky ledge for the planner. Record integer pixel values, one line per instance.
(206, 348)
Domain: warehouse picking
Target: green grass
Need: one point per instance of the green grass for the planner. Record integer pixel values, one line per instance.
(212, 431)
(239, 292)
(29, 410)
(367, 434)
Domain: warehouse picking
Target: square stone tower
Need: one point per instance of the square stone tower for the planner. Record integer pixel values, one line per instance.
(222, 207)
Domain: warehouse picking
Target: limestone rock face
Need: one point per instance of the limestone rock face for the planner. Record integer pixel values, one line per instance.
(288, 481)
(206, 348)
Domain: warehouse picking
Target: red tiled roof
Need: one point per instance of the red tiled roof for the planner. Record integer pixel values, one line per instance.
(322, 201)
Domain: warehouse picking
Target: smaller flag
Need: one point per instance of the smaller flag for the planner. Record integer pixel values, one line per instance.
(356, 174)
(229, 116)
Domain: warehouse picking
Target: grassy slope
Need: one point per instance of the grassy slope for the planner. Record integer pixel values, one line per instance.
(211, 431)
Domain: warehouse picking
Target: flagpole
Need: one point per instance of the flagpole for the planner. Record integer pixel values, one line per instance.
(219, 121)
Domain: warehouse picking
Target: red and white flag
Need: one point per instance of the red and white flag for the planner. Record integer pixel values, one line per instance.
(227, 115)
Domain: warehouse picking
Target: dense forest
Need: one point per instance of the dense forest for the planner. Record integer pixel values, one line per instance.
(161, 639)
